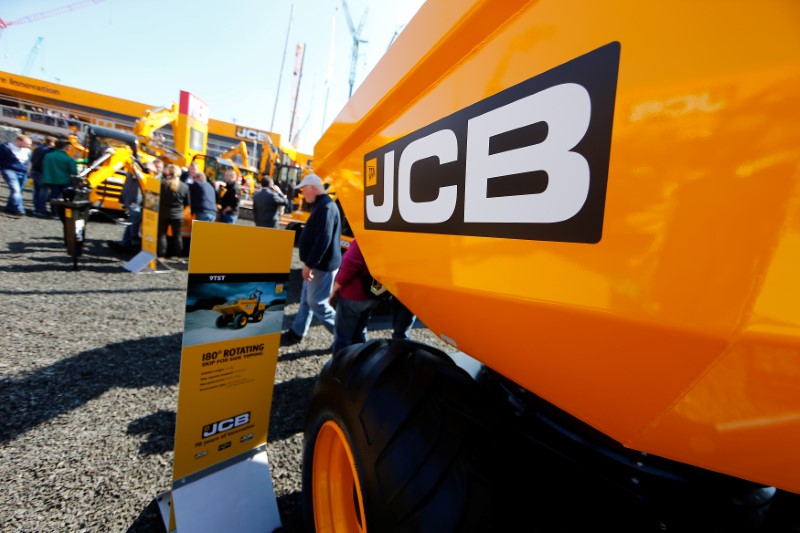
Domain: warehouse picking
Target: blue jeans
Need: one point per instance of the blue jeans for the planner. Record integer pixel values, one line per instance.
(352, 318)
(39, 194)
(206, 216)
(55, 194)
(130, 237)
(314, 303)
(228, 219)
(16, 181)
(402, 320)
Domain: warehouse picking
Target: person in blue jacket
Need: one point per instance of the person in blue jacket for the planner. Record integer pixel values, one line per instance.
(14, 157)
(321, 254)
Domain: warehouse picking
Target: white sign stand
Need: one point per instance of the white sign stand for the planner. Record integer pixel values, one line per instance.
(140, 262)
(233, 497)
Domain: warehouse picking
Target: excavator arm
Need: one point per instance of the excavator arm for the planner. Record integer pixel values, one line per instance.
(76, 150)
(105, 173)
(270, 157)
(240, 150)
(155, 119)
(146, 127)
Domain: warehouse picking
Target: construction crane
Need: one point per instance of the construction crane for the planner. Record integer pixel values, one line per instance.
(357, 40)
(300, 54)
(32, 56)
(49, 13)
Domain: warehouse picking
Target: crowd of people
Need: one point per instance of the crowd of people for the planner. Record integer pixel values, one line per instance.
(333, 288)
(49, 166)
(180, 188)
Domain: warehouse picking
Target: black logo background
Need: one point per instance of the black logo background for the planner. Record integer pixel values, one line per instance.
(597, 72)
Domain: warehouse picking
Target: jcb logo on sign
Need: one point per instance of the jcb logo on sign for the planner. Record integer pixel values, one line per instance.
(251, 135)
(209, 430)
(530, 162)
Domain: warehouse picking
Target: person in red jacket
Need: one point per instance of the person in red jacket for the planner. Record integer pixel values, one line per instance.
(353, 305)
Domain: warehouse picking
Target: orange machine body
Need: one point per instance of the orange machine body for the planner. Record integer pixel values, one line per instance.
(674, 327)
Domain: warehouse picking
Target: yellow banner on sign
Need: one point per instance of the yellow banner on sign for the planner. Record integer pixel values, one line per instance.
(150, 218)
(224, 402)
(234, 311)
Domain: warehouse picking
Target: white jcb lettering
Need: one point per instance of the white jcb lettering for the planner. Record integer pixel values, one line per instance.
(566, 109)
(442, 144)
(209, 430)
(382, 213)
(251, 135)
(225, 425)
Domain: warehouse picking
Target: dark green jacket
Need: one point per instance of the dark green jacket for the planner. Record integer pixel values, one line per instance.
(58, 167)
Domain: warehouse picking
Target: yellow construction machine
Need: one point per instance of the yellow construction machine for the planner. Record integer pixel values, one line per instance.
(241, 311)
(227, 159)
(76, 150)
(110, 155)
(153, 142)
(596, 207)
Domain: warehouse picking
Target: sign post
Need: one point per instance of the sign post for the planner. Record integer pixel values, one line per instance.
(234, 311)
(146, 258)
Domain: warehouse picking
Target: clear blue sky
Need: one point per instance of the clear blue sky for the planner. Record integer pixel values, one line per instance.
(227, 53)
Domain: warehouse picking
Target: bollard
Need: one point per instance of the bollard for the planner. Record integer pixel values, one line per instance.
(73, 210)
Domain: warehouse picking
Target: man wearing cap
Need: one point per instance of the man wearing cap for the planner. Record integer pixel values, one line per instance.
(321, 254)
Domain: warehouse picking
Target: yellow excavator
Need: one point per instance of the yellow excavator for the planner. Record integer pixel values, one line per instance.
(215, 166)
(110, 155)
(153, 143)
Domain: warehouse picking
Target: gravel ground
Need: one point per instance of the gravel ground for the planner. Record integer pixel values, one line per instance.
(89, 383)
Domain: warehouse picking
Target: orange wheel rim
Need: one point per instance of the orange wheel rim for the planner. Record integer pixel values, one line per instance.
(336, 492)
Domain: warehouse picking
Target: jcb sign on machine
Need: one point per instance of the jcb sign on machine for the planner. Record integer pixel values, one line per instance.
(530, 162)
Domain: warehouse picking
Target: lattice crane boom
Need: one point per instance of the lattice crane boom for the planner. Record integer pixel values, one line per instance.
(49, 13)
(357, 40)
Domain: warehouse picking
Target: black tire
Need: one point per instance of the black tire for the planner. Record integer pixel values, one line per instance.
(240, 321)
(222, 321)
(406, 412)
(259, 316)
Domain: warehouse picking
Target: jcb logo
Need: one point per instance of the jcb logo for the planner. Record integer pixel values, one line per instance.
(530, 162)
(209, 430)
(251, 135)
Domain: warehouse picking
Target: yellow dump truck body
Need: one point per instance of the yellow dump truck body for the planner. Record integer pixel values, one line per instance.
(663, 312)
(247, 306)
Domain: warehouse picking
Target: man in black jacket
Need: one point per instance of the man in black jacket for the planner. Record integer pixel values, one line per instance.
(229, 196)
(203, 198)
(321, 254)
(40, 192)
(266, 203)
